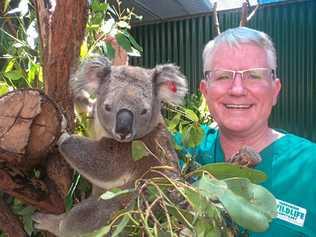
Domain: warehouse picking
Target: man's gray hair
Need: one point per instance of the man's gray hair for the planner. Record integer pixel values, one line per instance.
(236, 36)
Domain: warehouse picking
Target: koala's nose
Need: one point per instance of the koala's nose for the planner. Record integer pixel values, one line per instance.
(124, 123)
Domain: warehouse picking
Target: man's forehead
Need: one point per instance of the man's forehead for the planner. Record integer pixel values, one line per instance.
(239, 57)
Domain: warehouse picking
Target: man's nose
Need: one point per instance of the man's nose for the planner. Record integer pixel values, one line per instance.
(237, 87)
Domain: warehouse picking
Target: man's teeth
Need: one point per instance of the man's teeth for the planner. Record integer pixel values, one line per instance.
(231, 106)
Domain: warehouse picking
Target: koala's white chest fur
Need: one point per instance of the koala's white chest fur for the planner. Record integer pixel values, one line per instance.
(122, 180)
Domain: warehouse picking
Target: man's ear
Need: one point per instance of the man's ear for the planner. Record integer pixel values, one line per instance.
(169, 83)
(203, 87)
(276, 90)
(90, 74)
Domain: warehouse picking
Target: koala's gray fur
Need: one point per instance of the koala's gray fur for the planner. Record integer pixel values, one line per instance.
(126, 107)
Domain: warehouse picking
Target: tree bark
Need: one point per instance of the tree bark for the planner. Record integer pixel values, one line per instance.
(9, 223)
(61, 28)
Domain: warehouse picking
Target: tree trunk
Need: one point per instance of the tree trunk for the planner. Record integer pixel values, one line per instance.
(61, 29)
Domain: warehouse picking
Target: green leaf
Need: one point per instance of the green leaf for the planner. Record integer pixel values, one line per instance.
(181, 215)
(71, 191)
(139, 150)
(97, 6)
(193, 136)
(123, 42)
(13, 75)
(9, 66)
(120, 227)
(222, 170)
(109, 51)
(133, 41)
(34, 69)
(134, 53)
(6, 5)
(28, 224)
(84, 49)
(4, 88)
(173, 123)
(110, 195)
(254, 194)
(191, 115)
(99, 233)
(249, 205)
(205, 228)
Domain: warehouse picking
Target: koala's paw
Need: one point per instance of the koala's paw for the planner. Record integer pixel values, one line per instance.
(63, 137)
(246, 157)
(48, 222)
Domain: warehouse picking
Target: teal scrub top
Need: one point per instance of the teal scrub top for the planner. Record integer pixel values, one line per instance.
(290, 164)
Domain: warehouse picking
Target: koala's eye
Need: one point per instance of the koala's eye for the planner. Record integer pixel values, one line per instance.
(144, 111)
(108, 107)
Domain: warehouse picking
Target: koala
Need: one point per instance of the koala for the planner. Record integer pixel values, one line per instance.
(127, 107)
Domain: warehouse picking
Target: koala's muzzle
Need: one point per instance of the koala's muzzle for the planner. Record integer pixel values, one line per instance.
(124, 124)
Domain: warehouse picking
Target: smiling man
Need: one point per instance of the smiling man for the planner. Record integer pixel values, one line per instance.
(240, 86)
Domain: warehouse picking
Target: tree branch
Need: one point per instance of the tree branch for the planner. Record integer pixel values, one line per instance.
(245, 18)
(215, 23)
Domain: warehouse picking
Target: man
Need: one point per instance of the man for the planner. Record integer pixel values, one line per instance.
(241, 87)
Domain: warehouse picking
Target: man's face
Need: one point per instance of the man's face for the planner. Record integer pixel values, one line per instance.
(240, 107)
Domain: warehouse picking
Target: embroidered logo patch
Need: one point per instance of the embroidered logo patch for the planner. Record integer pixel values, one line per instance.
(291, 213)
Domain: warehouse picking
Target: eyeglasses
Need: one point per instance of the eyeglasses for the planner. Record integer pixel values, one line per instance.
(249, 76)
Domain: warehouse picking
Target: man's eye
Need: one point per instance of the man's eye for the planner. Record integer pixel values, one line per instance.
(222, 77)
(254, 76)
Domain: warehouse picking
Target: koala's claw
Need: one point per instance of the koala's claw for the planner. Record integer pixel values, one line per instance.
(47, 222)
(64, 136)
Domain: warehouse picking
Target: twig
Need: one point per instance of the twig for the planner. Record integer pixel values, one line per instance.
(215, 22)
(244, 13)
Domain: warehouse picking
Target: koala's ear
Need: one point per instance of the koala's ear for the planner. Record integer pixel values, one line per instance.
(169, 83)
(90, 74)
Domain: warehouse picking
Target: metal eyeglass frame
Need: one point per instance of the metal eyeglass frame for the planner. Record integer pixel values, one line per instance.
(206, 77)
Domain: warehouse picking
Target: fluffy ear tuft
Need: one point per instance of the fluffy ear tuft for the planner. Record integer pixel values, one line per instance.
(90, 75)
(169, 83)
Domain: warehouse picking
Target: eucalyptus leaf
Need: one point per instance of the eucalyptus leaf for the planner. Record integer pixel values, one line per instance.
(4, 88)
(110, 195)
(193, 136)
(28, 224)
(84, 49)
(184, 216)
(133, 41)
(134, 52)
(139, 150)
(13, 75)
(249, 205)
(173, 123)
(204, 228)
(244, 213)
(191, 115)
(223, 170)
(123, 42)
(109, 51)
(120, 227)
(99, 233)
(6, 5)
(255, 194)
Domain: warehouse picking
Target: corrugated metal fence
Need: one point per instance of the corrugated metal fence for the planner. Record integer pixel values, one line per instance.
(292, 27)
